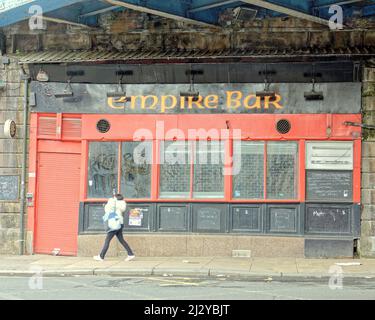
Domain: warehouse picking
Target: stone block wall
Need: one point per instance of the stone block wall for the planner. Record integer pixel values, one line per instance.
(11, 107)
(367, 243)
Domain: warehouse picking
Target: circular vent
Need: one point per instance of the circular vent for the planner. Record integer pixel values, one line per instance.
(283, 126)
(103, 126)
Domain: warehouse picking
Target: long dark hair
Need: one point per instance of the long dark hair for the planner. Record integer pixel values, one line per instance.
(119, 196)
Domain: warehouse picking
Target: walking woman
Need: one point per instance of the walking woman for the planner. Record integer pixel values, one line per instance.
(114, 210)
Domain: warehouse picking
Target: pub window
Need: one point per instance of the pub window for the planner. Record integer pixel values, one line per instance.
(282, 170)
(208, 169)
(248, 170)
(136, 160)
(102, 169)
(329, 171)
(175, 169)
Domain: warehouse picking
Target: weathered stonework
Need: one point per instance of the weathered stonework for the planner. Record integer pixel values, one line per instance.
(367, 244)
(11, 106)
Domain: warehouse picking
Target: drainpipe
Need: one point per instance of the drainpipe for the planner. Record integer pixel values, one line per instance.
(25, 77)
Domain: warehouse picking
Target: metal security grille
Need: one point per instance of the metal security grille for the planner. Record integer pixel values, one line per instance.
(283, 126)
(248, 170)
(103, 126)
(103, 166)
(175, 170)
(208, 170)
(136, 169)
(281, 170)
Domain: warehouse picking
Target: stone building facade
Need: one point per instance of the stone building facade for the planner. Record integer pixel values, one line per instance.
(129, 30)
(367, 244)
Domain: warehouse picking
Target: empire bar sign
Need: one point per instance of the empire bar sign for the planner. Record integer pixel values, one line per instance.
(233, 100)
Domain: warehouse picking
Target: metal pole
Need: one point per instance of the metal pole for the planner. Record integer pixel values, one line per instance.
(25, 77)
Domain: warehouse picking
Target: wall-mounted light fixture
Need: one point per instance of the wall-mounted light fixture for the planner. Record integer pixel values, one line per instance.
(266, 92)
(42, 76)
(120, 92)
(194, 95)
(313, 95)
(68, 91)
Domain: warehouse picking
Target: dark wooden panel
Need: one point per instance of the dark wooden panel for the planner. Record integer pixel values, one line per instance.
(283, 219)
(94, 217)
(246, 218)
(328, 219)
(172, 217)
(209, 217)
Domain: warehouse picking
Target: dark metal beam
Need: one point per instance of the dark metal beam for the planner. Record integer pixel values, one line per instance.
(96, 12)
(287, 11)
(160, 13)
(212, 5)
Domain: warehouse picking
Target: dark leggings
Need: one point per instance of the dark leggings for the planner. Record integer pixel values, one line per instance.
(120, 238)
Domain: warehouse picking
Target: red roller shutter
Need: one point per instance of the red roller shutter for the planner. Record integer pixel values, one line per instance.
(57, 203)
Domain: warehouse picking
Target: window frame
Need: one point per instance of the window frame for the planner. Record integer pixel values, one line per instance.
(228, 149)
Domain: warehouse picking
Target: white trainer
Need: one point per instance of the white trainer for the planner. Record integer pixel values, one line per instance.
(98, 258)
(129, 258)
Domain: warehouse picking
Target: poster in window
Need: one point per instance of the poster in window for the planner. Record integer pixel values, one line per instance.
(135, 217)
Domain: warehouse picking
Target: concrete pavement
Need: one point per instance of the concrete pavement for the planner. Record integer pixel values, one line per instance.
(251, 268)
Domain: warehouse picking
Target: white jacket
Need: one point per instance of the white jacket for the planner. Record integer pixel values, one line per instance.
(113, 203)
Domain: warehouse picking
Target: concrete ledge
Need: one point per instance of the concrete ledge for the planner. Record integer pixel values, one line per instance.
(123, 272)
(191, 245)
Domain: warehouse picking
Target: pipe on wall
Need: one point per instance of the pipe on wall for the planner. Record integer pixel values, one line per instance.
(25, 78)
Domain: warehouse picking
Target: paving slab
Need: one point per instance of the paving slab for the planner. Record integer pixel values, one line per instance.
(262, 269)
(183, 266)
(91, 263)
(274, 266)
(230, 266)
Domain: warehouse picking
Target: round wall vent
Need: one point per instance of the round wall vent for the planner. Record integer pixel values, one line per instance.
(283, 126)
(103, 126)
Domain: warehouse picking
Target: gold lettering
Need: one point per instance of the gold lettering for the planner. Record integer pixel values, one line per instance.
(198, 103)
(275, 103)
(255, 105)
(143, 100)
(164, 107)
(112, 101)
(182, 102)
(236, 100)
(211, 101)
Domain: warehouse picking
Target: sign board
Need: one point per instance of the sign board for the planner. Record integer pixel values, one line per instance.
(213, 98)
(135, 217)
(138, 217)
(327, 185)
(329, 155)
(9, 187)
